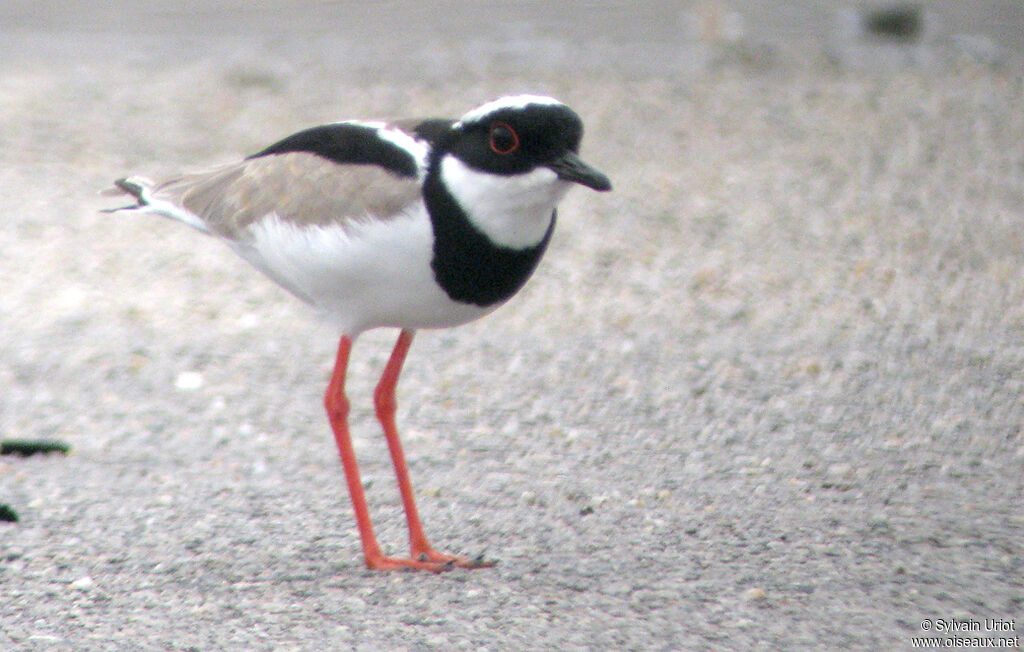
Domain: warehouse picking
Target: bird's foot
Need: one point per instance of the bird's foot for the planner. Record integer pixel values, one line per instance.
(432, 556)
(382, 563)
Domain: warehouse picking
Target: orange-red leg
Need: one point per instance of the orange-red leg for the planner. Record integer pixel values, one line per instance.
(337, 412)
(385, 404)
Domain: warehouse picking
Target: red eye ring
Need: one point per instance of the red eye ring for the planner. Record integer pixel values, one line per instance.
(503, 138)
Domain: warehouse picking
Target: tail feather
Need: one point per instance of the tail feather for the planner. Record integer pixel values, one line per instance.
(135, 187)
(149, 200)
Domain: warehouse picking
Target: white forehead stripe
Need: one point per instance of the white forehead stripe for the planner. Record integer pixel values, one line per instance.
(507, 102)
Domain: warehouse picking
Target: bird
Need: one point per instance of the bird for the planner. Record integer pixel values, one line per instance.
(409, 224)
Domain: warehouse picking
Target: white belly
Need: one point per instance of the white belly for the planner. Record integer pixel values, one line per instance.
(367, 274)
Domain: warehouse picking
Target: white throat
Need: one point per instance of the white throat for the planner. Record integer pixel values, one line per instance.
(513, 211)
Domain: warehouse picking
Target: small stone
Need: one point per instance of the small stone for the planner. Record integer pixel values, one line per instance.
(248, 321)
(755, 594)
(839, 471)
(27, 447)
(82, 583)
(7, 514)
(897, 23)
(188, 381)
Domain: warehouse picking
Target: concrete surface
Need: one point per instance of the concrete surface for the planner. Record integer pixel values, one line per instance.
(766, 395)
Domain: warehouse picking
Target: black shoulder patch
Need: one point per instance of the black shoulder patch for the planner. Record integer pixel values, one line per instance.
(347, 143)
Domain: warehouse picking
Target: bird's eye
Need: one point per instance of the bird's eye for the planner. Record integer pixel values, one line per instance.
(504, 139)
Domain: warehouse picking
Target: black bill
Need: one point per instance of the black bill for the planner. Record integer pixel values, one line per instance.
(571, 167)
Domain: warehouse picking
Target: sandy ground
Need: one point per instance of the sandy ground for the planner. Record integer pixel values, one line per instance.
(765, 395)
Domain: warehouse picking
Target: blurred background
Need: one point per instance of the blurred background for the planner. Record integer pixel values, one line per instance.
(647, 36)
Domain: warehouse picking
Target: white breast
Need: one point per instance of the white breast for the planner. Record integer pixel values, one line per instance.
(368, 274)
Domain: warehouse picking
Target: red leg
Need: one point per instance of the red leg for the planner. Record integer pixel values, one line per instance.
(385, 404)
(337, 412)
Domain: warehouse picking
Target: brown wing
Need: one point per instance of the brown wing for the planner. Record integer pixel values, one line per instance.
(297, 187)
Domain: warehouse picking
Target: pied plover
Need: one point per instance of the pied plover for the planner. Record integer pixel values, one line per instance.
(407, 224)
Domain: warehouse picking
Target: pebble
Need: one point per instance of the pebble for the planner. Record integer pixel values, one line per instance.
(7, 514)
(754, 594)
(839, 470)
(188, 381)
(83, 583)
(248, 321)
